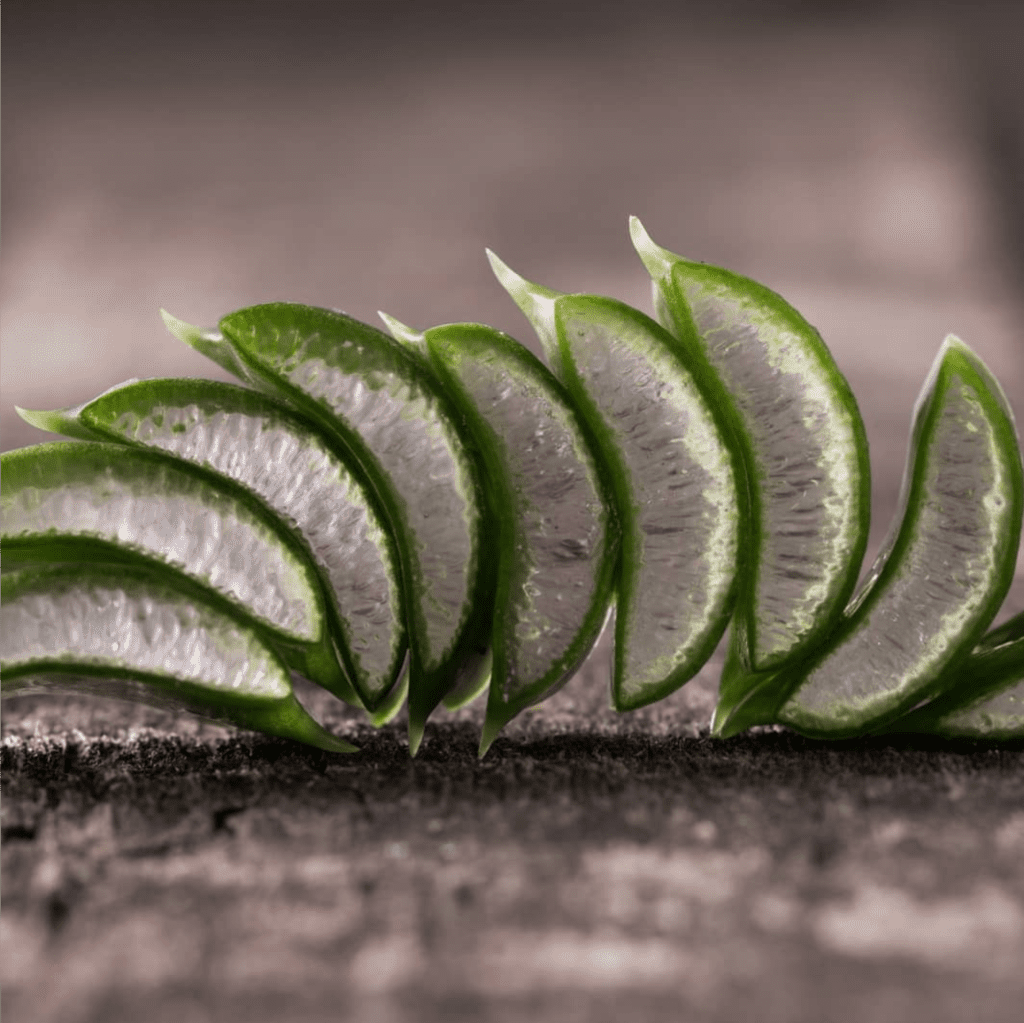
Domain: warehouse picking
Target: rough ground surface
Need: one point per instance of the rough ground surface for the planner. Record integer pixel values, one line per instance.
(592, 867)
(589, 868)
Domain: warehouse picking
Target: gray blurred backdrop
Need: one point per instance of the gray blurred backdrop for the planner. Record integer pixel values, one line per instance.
(204, 156)
(865, 160)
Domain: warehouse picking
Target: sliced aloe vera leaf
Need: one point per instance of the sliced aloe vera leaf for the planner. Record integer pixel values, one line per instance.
(255, 441)
(123, 632)
(90, 501)
(795, 422)
(474, 671)
(675, 479)
(556, 538)
(940, 577)
(983, 698)
(391, 414)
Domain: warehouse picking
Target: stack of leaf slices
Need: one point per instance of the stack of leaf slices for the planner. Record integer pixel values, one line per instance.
(426, 516)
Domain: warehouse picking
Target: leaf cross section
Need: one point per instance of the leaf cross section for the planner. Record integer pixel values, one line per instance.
(675, 479)
(793, 419)
(557, 540)
(90, 501)
(248, 437)
(384, 405)
(125, 633)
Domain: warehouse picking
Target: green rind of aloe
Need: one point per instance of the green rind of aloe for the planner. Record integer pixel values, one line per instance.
(263, 703)
(449, 348)
(776, 700)
(751, 312)
(116, 415)
(260, 344)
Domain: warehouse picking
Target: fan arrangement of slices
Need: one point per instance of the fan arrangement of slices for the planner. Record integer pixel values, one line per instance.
(426, 517)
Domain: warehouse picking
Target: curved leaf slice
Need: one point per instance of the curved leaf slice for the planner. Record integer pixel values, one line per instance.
(796, 424)
(388, 410)
(252, 439)
(556, 539)
(984, 697)
(123, 632)
(89, 501)
(674, 476)
(940, 577)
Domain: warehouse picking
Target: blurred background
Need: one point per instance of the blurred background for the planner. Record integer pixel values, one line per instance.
(865, 160)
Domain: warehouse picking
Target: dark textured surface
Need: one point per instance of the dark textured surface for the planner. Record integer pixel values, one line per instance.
(573, 876)
(592, 867)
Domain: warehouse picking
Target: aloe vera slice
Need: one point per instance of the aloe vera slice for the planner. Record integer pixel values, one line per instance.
(796, 424)
(941, 575)
(984, 697)
(391, 414)
(556, 537)
(248, 437)
(123, 632)
(674, 477)
(89, 501)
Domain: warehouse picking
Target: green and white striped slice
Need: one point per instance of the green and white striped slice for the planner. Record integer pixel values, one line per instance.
(795, 422)
(87, 501)
(673, 475)
(556, 542)
(940, 577)
(383, 404)
(253, 440)
(123, 632)
(983, 698)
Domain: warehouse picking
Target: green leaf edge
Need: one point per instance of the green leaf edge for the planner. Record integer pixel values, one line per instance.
(282, 717)
(426, 688)
(90, 421)
(441, 342)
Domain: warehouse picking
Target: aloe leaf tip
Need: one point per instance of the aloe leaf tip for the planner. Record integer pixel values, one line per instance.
(62, 420)
(35, 417)
(401, 332)
(205, 340)
(416, 727)
(536, 301)
(209, 342)
(656, 260)
(488, 735)
(180, 329)
(332, 744)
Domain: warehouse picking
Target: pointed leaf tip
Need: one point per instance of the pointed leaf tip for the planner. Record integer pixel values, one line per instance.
(637, 231)
(31, 416)
(333, 744)
(400, 332)
(507, 277)
(951, 343)
(486, 740)
(187, 332)
(62, 420)
(211, 343)
(536, 302)
(658, 261)
(534, 299)
(179, 328)
(39, 418)
(416, 728)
